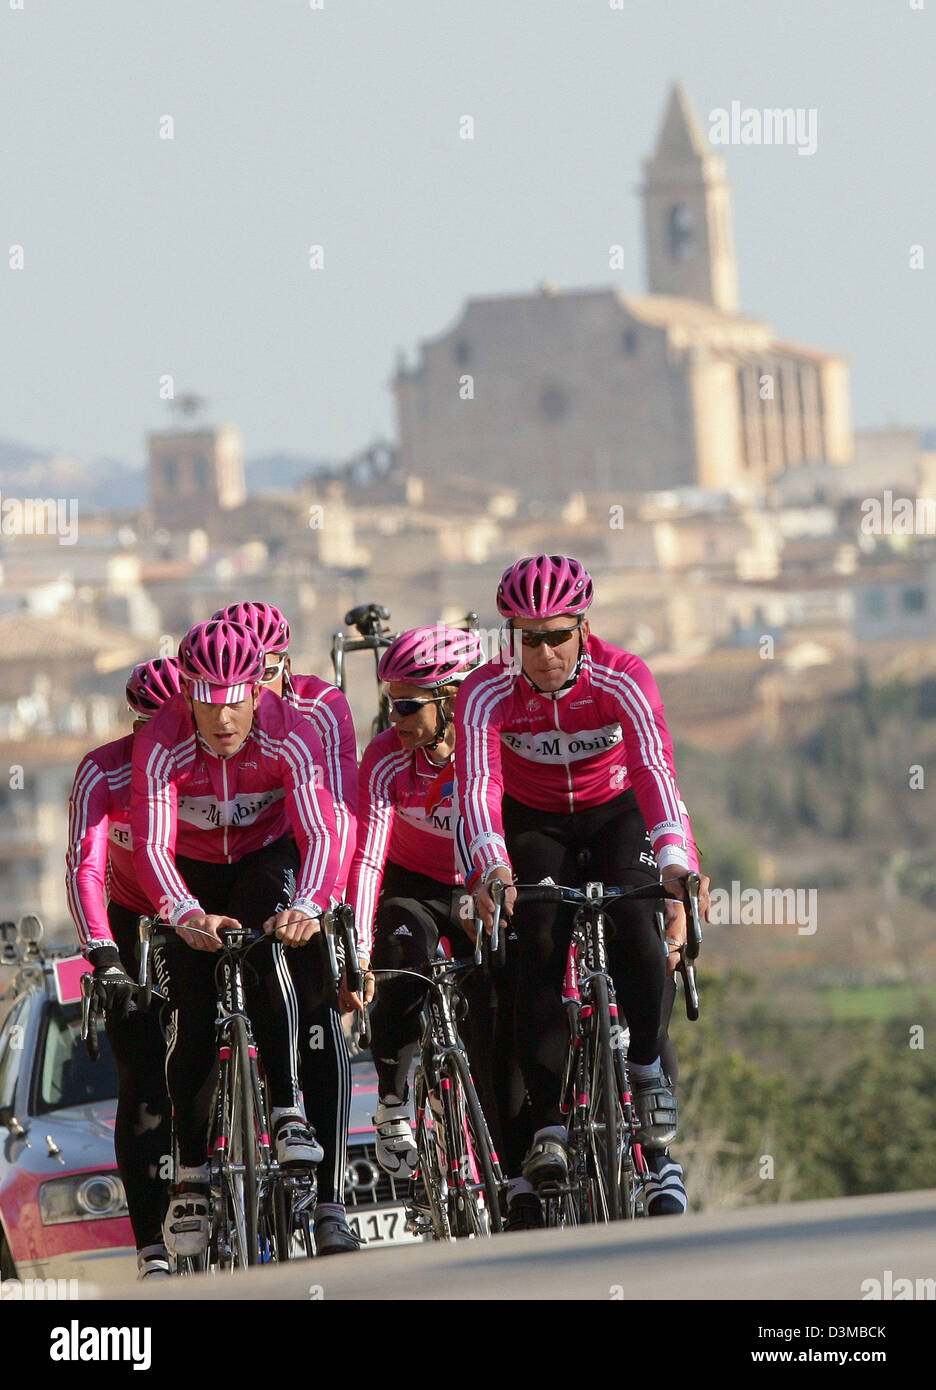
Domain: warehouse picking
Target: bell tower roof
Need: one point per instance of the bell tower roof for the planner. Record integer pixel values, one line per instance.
(681, 135)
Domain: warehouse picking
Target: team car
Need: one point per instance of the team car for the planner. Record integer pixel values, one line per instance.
(63, 1210)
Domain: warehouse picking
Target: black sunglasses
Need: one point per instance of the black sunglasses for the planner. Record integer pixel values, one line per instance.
(556, 637)
(406, 707)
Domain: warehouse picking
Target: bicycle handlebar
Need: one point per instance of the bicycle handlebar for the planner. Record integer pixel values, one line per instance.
(597, 894)
(452, 968)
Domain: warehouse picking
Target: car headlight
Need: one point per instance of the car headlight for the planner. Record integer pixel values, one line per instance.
(84, 1197)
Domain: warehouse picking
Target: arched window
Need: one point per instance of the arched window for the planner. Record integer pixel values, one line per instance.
(681, 233)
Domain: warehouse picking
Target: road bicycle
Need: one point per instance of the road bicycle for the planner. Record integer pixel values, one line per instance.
(607, 1167)
(259, 1212)
(252, 1200)
(456, 1189)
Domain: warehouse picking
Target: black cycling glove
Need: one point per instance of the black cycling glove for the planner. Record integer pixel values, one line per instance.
(119, 989)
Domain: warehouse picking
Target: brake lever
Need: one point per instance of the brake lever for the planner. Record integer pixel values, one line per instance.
(690, 989)
(694, 941)
(353, 972)
(87, 989)
(496, 890)
(328, 931)
(89, 1025)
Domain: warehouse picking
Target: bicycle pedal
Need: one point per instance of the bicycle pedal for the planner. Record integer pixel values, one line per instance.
(550, 1190)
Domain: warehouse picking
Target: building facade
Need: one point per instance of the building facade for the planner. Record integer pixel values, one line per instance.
(598, 390)
(193, 474)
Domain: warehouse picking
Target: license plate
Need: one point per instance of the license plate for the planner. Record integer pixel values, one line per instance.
(385, 1226)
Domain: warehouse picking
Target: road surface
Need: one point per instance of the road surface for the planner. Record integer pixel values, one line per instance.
(805, 1250)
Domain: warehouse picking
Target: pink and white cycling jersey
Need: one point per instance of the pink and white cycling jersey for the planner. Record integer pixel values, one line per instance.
(580, 747)
(186, 800)
(99, 860)
(395, 823)
(329, 711)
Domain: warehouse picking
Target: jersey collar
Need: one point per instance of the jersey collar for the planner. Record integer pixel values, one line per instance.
(570, 684)
(206, 747)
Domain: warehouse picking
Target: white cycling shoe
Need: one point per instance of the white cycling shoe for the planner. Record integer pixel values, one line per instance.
(295, 1144)
(396, 1148)
(153, 1265)
(188, 1221)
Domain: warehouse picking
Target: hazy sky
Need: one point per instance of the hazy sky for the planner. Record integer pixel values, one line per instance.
(340, 126)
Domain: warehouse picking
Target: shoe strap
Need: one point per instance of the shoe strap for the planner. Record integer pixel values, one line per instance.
(391, 1129)
(293, 1127)
(547, 1146)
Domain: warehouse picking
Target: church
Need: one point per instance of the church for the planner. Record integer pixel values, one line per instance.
(596, 390)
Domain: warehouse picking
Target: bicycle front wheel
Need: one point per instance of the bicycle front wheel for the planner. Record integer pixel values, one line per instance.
(606, 1116)
(243, 1123)
(478, 1180)
(428, 1184)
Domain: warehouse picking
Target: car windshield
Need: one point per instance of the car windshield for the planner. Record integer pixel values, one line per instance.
(65, 1074)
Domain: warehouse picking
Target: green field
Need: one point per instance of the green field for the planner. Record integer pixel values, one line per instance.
(870, 1003)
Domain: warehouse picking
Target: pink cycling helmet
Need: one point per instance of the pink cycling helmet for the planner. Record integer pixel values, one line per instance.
(544, 586)
(220, 661)
(430, 656)
(263, 619)
(151, 684)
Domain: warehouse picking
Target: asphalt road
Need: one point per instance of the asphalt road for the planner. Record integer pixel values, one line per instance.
(806, 1250)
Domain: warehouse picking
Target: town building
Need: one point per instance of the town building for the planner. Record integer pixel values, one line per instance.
(602, 390)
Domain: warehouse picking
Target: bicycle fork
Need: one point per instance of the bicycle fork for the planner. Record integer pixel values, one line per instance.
(232, 1005)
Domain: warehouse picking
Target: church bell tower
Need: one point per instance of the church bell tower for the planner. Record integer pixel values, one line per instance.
(687, 213)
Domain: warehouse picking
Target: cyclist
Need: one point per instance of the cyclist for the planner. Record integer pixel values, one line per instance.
(565, 752)
(404, 885)
(231, 826)
(321, 702)
(324, 1066)
(105, 901)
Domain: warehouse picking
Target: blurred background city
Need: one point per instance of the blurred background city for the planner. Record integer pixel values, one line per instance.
(755, 500)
